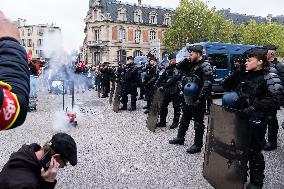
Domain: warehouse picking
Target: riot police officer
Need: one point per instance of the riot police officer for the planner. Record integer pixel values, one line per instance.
(129, 84)
(106, 75)
(258, 92)
(278, 68)
(168, 82)
(199, 72)
(150, 78)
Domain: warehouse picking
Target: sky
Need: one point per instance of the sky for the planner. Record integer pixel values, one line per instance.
(69, 14)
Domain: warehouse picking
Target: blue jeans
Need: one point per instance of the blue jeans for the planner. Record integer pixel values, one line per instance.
(33, 87)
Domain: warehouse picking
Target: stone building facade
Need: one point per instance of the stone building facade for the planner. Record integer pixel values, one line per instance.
(115, 30)
(32, 36)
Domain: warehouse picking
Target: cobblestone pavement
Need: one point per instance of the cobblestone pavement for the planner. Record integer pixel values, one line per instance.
(115, 150)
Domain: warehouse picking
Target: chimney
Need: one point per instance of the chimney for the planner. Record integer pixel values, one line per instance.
(139, 2)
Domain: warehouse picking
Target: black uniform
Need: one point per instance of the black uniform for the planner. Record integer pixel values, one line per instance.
(129, 78)
(106, 75)
(272, 122)
(200, 73)
(168, 82)
(150, 78)
(258, 90)
(23, 170)
(141, 73)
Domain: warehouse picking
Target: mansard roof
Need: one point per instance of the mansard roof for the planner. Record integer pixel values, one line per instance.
(112, 6)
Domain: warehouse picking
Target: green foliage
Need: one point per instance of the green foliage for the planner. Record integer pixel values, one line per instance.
(263, 34)
(194, 21)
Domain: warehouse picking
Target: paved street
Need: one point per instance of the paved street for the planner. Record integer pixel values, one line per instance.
(115, 150)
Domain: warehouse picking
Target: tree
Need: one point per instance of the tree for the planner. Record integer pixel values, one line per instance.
(193, 22)
(263, 34)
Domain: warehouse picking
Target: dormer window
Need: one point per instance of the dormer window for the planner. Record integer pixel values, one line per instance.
(153, 17)
(138, 16)
(167, 19)
(122, 15)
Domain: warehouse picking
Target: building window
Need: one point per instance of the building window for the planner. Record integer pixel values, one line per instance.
(29, 32)
(153, 17)
(138, 16)
(36, 51)
(121, 35)
(40, 32)
(29, 43)
(97, 58)
(166, 21)
(137, 53)
(39, 42)
(122, 17)
(41, 53)
(23, 32)
(121, 56)
(97, 35)
(152, 35)
(137, 36)
(24, 42)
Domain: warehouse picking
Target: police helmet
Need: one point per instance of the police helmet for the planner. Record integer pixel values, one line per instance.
(190, 92)
(229, 99)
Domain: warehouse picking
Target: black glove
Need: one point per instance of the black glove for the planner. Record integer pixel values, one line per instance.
(197, 104)
(248, 111)
(162, 89)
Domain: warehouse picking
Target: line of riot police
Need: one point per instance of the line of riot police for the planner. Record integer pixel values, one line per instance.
(255, 91)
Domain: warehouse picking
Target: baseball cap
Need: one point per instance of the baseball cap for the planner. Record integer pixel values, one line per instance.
(65, 145)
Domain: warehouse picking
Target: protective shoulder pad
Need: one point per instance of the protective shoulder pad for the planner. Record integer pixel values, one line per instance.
(207, 69)
(279, 67)
(273, 83)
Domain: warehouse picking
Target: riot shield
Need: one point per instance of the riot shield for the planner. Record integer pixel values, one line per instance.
(226, 151)
(99, 89)
(117, 97)
(155, 110)
(111, 91)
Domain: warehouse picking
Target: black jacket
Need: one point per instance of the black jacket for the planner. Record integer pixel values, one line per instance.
(151, 76)
(200, 73)
(259, 89)
(23, 170)
(14, 71)
(169, 78)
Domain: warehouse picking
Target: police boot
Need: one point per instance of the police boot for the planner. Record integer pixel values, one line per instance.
(141, 98)
(145, 107)
(270, 146)
(179, 141)
(180, 136)
(198, 142)
(124, 107)
(162, 123)
(251, 186)
(132, 109)
(174, 125)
